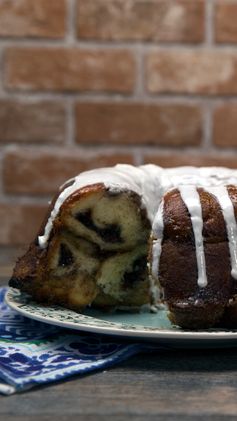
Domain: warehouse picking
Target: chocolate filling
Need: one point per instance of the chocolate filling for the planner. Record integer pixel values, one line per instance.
(136, 274)
(111, 233)
(65, 256)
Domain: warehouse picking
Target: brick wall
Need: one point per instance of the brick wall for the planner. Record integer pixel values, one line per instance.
(88, 83)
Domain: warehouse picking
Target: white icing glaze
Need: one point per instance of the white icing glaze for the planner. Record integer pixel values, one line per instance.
(122, 177)
(222, 195)
(190, 197)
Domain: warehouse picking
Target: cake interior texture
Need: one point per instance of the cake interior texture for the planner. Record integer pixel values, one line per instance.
(96, 254)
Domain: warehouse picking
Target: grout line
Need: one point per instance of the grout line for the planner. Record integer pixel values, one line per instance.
(1, 172)
(2, 67)
(209, 23)
(26, 199)
(137, 156)
(71, 23)
(138, 92)
(91, 150)
(70, 121)
(72, 40)
(98, 97)
(207, 128)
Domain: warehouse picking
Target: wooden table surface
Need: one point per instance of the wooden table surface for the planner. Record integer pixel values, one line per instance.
(167, 385)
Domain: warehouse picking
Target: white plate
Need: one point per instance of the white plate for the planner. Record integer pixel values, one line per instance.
(142, 326)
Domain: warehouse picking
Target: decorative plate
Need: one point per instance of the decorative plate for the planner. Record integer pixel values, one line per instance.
(146, 326)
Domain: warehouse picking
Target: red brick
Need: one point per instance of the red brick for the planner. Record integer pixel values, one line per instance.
(29, 18)
(136, 123)
(159, 20)
(74, 69)
(39, 172)
(225, 125)
(225, 22)
(20, 223)
(199, 160)
(32, 122)
(192, 72)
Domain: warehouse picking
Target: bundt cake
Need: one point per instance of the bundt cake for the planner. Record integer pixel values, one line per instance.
(126, 236)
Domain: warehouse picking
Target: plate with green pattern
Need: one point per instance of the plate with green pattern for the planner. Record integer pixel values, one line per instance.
(146, 326)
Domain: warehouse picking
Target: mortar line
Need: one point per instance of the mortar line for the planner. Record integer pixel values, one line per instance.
(207, 128)
(151, 45)
(97, 97)
(71, 23)
(209, 23)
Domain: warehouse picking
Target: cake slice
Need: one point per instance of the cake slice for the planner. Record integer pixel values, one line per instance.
(95, 254)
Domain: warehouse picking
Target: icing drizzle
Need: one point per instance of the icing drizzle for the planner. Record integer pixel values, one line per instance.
(221, 194)
(190, 197)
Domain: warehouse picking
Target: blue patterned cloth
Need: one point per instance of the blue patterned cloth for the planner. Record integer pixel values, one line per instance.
(34, 353)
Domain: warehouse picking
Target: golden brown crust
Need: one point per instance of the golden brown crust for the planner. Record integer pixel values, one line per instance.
(27, 267)
(190, 305)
